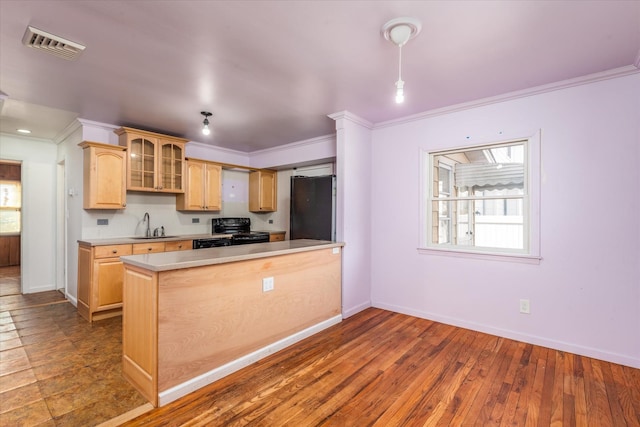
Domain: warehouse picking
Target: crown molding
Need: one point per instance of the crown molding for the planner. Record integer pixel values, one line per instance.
(352, 118)
(297, 144)
(68, 130)
(537, 90)
(217, 148)
(25, 137)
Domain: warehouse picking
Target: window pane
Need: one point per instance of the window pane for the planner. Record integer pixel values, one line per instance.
(10, 194)
(9, 221)
(491, 180)
(499, 223)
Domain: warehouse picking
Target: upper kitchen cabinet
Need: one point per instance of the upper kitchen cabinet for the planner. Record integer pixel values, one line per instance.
(155, 162)
(104, 176)
(203, 190)
(262, 191)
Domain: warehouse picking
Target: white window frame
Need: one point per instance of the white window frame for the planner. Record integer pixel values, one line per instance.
(531, 251)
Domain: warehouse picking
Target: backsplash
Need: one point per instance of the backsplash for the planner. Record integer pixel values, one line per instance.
(162, 212)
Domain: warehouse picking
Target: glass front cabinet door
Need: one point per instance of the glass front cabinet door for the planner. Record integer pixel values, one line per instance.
(155, 162)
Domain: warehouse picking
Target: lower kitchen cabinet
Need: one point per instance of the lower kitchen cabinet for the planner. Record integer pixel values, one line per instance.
(101, 273)
(276, 236)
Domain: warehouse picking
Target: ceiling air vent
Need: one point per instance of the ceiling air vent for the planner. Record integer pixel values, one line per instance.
(50, 43)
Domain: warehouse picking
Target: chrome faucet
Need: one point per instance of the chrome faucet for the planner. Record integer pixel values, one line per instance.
(146, 218)
(159, 232)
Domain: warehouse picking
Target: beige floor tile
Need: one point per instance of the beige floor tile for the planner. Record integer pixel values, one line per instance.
(15, 365)
(33, 414)
(10, 344)
(17, 379)
(18, 397)
(9, 335)
(11, 354)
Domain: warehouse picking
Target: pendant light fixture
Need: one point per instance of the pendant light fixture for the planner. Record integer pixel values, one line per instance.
(205, 123)
(399, 31)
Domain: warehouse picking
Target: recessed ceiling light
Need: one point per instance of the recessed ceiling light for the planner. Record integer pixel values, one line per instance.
(26, 131)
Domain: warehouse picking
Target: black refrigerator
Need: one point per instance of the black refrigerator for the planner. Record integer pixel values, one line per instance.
(313, 207)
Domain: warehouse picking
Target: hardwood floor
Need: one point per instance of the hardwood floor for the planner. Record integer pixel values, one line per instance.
(56, 369)
(10, 280)
(375, 368)
(380, 368)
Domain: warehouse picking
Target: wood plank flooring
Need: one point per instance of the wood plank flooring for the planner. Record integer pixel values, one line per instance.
(380, 368)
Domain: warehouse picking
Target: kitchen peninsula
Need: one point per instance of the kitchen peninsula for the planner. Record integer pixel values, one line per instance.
(192, 317)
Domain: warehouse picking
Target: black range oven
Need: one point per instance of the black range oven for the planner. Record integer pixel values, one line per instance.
(212, 242)
(240, 229)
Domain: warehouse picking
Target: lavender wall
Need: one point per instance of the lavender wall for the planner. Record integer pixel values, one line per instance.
(585, 293)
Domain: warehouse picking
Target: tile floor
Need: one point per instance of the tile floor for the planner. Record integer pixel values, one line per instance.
(56, 369)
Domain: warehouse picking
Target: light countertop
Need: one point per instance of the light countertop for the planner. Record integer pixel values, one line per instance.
(136, 239)
(165, 261)
(139, 239)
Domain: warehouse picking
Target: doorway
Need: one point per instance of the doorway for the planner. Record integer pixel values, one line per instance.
(10, 227)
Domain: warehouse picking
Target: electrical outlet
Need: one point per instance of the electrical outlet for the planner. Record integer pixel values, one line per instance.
(525, 308)
(195, 220)
(267, 284)
(103, 222)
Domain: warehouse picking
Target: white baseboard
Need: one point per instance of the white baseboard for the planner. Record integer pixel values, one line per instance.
(200, 381)
(348, 312)
(43, 288)
(73, 300)
(518, 336)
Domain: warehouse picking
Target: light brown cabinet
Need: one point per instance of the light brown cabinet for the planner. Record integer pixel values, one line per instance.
(263, 191)
(178, 245)
(100, 275)
(275, 236)
(155, 162)
(203, 190)
(104, 176)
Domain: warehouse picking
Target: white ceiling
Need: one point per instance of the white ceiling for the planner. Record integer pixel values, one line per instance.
(271, 71)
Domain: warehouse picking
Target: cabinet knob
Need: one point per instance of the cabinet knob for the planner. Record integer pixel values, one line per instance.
(179, 246)
(149, 249)
(115, 251)
(124, 205)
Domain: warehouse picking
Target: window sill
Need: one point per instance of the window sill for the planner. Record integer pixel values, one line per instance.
(519, 258)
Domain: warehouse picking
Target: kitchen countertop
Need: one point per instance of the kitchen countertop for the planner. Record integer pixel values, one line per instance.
(137, 239)
(165, 261)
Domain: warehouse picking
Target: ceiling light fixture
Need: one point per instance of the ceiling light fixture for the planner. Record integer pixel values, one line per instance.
(205, 123)
(25, 131)
(399, 31)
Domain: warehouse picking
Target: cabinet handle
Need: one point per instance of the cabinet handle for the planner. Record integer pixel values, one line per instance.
(115, 251)
(149, 249)
(179, 246)
(124, 205)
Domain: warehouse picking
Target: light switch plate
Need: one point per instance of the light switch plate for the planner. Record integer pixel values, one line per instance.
(267, 284)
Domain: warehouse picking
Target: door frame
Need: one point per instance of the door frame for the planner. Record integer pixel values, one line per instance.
(61, 228)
